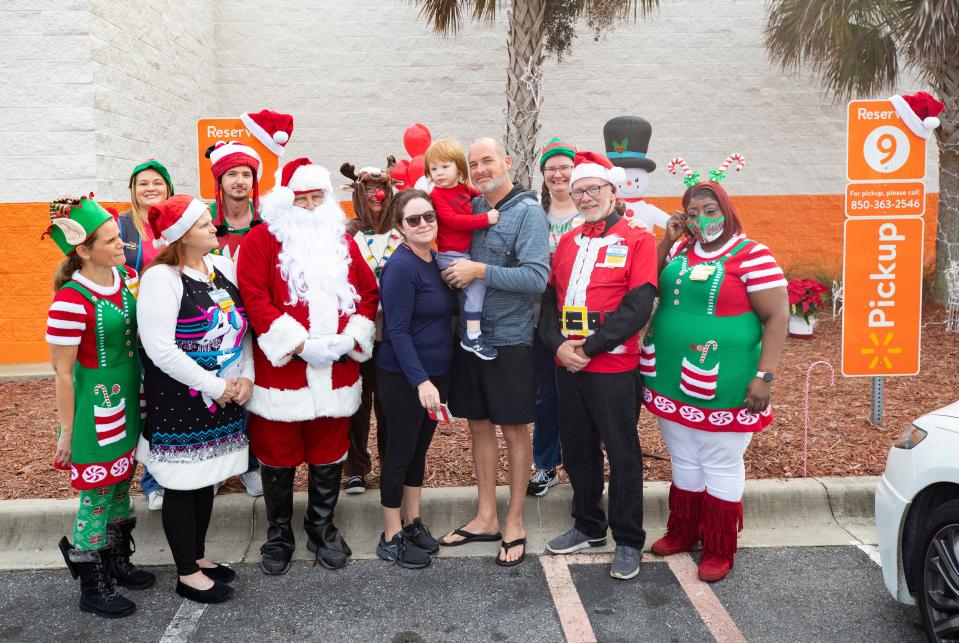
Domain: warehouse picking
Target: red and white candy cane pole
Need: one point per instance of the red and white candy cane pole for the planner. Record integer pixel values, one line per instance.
(805, 412)
(705, 350)
(106, 393)
(740, 162)
(671, 167)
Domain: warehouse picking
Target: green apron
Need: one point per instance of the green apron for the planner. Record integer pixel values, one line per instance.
(703, 362)
(106, 420)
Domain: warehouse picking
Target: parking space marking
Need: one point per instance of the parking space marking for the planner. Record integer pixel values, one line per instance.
(870, 550)
(184, 623)
(569, 607)
(715, 617)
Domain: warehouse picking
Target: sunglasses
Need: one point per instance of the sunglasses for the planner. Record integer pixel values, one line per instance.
(414, 220)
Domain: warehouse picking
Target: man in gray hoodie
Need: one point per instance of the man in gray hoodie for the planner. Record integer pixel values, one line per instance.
(512, 257)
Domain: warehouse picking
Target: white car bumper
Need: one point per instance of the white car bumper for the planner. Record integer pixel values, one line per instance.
(891, 508)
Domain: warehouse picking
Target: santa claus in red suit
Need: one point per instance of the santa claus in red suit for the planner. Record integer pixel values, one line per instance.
(311, 300)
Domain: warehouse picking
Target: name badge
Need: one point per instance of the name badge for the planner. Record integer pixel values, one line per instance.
(615, 256)
(222, 299)
(701, 272)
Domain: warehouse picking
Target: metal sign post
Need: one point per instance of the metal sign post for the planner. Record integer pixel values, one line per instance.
(878, 400)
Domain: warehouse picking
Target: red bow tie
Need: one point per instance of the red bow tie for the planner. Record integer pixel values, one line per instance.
(594, 229)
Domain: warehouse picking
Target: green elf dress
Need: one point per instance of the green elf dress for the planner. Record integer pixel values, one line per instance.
(703, 344)
(101, 322)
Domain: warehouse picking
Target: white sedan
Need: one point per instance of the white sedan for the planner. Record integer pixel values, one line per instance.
(917, 520)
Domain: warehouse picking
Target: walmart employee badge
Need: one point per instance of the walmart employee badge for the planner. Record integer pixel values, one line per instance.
(222, 299)
(615, 256)
(702, 272)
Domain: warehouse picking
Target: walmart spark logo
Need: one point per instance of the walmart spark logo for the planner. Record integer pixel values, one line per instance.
(880, 352)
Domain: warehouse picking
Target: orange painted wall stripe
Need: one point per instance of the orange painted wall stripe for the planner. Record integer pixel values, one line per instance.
(803, 231)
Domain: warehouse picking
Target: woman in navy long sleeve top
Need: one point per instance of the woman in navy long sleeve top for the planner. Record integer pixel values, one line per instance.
(413, 365)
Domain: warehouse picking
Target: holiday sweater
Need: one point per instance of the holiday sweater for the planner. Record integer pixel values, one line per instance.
(229, 244)
(558, 226)
(455, 218)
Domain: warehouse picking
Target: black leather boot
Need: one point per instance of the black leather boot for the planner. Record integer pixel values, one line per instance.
(277, 551)
(120, 537)
(98, 589)
(325, 540)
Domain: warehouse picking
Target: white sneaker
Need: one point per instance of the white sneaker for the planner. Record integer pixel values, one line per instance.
(253, 483)
(155, 500)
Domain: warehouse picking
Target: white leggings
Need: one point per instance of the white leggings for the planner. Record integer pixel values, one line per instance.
(707, 460)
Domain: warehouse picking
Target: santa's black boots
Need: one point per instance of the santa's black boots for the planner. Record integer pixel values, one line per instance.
(277, 552)
(325, 540)
(120, 537)
(98, 589)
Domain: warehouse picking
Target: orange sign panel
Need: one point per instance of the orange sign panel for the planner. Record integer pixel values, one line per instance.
(885, 199)
(211, 130)
(879, 145)
(882, 296)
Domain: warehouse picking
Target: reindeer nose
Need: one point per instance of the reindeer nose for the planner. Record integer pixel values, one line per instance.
(380, 195)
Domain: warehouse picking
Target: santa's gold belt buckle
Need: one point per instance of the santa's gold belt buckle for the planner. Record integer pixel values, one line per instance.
(574, 321)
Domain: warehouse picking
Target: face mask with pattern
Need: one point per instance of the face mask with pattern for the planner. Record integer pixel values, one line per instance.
(706, 229)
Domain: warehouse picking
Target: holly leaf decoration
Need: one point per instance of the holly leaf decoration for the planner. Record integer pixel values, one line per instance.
(621, 145)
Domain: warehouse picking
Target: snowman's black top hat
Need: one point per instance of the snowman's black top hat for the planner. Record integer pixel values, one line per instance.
(627, 141)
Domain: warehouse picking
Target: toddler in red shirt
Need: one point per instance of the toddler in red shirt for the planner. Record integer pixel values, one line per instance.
(446, 167)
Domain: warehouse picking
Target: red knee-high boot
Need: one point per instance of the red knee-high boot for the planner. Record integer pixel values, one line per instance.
(684, 527)
(722, 521)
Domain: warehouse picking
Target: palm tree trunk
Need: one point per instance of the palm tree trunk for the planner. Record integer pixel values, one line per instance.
(524, 84)
(947, 238)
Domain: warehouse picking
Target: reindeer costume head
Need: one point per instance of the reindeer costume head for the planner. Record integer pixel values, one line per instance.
(372, 189)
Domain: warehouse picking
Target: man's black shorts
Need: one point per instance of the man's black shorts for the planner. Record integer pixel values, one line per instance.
(502, 390)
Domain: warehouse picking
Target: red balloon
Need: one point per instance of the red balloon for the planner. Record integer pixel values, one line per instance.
(417, 169)
(400, 172)
(416, 139)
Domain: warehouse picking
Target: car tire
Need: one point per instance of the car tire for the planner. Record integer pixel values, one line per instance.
(938, 595)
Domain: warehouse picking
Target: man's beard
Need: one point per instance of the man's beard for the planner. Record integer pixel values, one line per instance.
(492, 184)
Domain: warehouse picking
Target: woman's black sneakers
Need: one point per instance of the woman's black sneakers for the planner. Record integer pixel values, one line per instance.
(419, 535)
(404, 553)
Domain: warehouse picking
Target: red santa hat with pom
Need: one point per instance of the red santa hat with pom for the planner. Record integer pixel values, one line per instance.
(596, 165)
(270, 128)
(298, 177)
(919, 112)
(173, 218)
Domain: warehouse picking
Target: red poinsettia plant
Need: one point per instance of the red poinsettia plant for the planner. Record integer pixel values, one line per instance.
(805, 296)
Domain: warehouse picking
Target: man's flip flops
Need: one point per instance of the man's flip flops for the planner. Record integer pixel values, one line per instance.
(507, 545)
(470, 537)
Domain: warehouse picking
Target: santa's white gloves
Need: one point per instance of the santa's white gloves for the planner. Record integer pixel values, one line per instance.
(324, 350)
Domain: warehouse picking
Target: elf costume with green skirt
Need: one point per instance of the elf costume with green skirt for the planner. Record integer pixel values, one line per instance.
(101, 322)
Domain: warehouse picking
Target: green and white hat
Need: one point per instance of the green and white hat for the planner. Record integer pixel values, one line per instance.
(73, 220)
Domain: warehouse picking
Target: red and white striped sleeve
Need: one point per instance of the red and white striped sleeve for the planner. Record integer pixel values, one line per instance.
(759, 270)
(680, 243)
(67, 318)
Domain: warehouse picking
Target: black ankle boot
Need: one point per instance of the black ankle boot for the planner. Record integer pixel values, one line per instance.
(325, 540)
(120, 537)
(98, 589)
(277, 551)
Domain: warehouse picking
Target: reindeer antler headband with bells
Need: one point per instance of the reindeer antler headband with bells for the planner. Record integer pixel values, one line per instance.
(716, 175)
(73, 220)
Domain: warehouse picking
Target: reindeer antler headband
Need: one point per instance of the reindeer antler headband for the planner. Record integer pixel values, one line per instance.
(717, 174)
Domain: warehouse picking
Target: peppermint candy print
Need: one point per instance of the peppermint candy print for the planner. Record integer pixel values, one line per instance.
(73, 473)
(647, 395)
(747, 418)
(705, 419)
(721, 418)
(94, 474)
(692, 414)
(663, 404)
(120, 467)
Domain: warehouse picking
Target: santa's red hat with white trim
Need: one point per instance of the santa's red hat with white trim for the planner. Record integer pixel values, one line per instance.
(919, 112)
(270, 128)
(595, 165)
(173, 218)
(298, 177)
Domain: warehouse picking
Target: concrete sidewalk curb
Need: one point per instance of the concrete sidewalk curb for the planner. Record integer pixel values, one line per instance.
(812, 511)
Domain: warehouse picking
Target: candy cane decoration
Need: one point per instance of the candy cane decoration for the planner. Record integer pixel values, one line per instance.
(671, 167)
(106, 393)
(805, 404)
(705, 350)
(735, 156)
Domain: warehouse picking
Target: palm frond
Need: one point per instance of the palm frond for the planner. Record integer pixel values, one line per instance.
(446, 16)
(929, 31)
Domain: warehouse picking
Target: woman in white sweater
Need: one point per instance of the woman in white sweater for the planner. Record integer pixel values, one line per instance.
(198, 372)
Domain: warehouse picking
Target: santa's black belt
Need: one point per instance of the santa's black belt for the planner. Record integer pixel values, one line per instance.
(578, 320)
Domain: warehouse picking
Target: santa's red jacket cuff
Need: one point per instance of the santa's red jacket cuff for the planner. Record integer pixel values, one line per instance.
(362, 331)
(279, 342)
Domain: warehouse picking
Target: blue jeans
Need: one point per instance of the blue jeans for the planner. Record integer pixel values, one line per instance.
(546, 449)
(475, 291)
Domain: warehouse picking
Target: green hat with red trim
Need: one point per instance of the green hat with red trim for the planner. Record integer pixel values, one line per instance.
(554, 147)
(73, 220)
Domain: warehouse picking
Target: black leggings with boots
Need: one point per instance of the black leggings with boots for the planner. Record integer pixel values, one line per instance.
(186, 517)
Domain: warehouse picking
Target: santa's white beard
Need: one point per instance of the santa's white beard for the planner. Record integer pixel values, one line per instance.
(314, 258)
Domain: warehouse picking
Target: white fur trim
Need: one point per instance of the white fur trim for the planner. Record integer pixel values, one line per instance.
(317, 399)
(614, 175)
(362, 330)
(311, 177)
(182, 225)
(911, 119)
(263, 136)
(224, 151)
(277, 344)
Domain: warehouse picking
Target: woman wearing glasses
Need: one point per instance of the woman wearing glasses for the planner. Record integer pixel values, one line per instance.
(413, 365)
(556, 163)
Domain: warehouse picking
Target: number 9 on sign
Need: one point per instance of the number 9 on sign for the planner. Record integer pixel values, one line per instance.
(886, 149)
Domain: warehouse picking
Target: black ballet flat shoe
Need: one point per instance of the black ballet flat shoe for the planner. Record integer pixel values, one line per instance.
(219, 593)
(221, 573)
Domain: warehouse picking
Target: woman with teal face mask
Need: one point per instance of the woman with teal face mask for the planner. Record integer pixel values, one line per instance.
(707, 364)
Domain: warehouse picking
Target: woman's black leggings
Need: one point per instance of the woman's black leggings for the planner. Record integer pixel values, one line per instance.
(409, 433)
(186, 516)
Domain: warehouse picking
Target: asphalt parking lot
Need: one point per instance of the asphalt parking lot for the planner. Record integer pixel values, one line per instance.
(773, 594)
